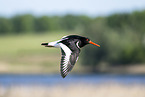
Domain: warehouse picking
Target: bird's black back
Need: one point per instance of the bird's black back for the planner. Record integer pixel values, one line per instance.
(71, 41)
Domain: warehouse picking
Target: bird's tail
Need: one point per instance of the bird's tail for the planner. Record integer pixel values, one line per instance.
(44, 44)
(47, 44)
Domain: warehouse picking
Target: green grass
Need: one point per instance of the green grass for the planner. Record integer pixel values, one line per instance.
(24, 53)
(26, 43)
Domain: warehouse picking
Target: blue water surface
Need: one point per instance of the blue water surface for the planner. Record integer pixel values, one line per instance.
(47, 79)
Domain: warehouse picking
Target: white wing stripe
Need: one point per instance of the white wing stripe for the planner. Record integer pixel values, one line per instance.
(67, 55)
(77, 44)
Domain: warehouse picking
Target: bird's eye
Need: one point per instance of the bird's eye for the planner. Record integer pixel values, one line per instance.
(87, 39)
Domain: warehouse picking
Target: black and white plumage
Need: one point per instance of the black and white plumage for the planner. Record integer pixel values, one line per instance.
(70, 49)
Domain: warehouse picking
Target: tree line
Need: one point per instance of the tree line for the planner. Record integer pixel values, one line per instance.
(31, 24)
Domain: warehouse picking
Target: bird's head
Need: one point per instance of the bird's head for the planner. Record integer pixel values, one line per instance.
(86, 41)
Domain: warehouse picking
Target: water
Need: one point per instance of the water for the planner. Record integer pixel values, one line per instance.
(44, 79)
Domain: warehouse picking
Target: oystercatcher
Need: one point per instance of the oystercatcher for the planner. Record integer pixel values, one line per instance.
(70, 49)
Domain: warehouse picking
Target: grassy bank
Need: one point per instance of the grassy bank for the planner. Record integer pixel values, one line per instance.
(24, 44)
(24, 54)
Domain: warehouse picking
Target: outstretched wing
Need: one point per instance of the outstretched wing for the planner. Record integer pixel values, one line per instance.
(68, 59)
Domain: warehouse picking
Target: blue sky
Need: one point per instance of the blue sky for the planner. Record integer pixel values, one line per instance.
(60, 7)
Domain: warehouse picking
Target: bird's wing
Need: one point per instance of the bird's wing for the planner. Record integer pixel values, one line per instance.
(68, 59)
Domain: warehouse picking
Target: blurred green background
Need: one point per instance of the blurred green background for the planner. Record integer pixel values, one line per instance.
(121, 36)
(116, 69)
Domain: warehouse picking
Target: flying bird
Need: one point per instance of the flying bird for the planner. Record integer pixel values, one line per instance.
(70, 49)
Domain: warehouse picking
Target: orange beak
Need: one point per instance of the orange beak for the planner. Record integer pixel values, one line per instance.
(94, 43)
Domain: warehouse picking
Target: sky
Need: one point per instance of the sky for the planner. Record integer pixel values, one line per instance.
(62, 7)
